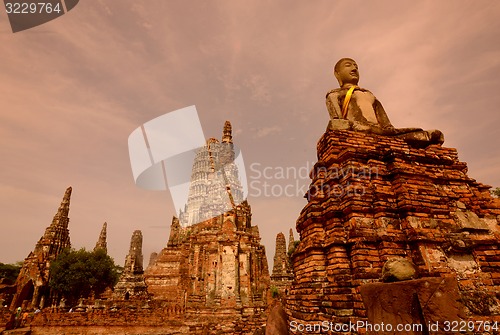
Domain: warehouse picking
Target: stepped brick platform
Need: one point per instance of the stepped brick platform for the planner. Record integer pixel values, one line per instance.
(375, 198)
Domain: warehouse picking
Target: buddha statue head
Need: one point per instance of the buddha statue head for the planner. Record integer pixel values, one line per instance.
(346, 72)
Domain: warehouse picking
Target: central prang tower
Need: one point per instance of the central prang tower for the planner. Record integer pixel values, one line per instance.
(214, 263)
(215, 186)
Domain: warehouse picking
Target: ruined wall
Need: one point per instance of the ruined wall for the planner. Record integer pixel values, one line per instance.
(140, 321)
(374, 198)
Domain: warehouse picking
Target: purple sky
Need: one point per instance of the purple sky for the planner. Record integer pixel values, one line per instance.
(72, 91)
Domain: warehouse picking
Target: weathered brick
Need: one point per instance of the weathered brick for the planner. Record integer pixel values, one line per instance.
(416, 203)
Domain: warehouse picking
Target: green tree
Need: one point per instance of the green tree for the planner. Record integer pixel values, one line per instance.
(9, 272)
(496, 192)
(275, 292)
(79, 273)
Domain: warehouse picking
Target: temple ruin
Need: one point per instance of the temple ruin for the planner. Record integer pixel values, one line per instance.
(32, 285)
(394, 232)
(211, 277)
(215, 186)
(282, 274)
(384, 208)
(218, 263)
(131, 284)
(102, 241)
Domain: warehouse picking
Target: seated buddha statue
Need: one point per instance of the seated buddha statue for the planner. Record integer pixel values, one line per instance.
(364, 112)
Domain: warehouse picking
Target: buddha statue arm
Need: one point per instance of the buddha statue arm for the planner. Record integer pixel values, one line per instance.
(332, 104)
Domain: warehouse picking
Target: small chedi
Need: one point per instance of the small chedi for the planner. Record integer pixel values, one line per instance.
(32, 285)
(102, 243)
(152, 258)
(394, 231)
(131, 284)
(282, 274)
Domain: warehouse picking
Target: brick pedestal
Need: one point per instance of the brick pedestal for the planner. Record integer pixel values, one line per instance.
(373, 198)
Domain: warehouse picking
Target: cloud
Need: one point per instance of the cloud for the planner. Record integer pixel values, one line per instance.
(265, 131)
(258, 88)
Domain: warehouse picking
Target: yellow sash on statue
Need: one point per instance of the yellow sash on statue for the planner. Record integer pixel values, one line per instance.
(347, 100)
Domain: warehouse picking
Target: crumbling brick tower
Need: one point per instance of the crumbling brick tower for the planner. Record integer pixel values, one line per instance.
(32, 284)
(131, 284)
(374, 198)
(281, 276)
(214, 262)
